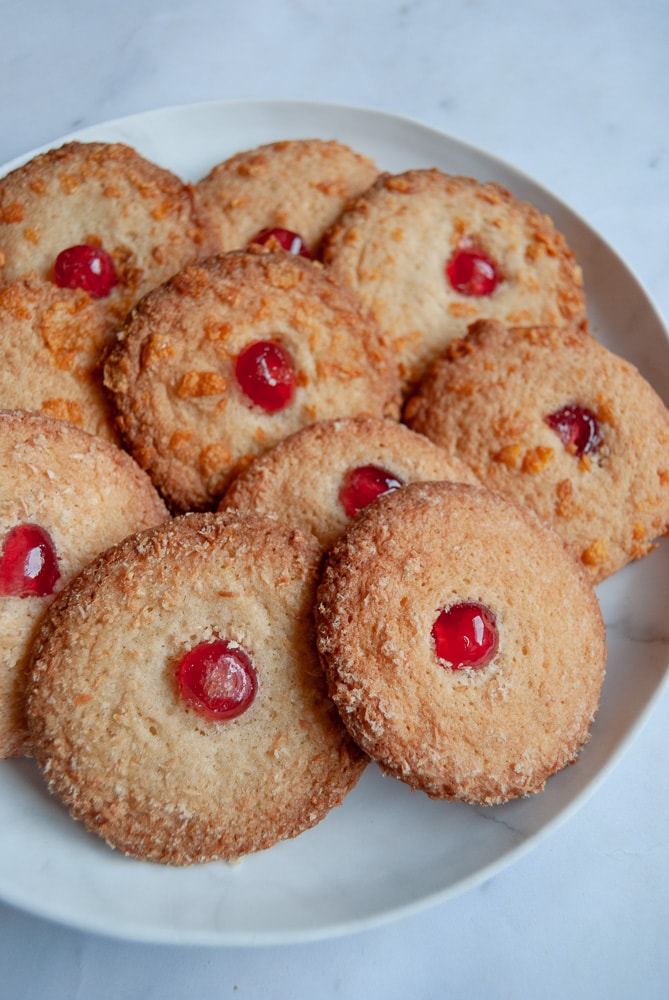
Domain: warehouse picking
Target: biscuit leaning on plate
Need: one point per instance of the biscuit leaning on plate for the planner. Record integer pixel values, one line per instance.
(462, 642)
(176, 703)
(232, 355)
(561, 424)
(103, 196)
(320, 477)
(429, 253)
(291, 191)
(65, 495)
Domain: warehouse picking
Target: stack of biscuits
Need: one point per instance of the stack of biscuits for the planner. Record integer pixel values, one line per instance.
(306, 466)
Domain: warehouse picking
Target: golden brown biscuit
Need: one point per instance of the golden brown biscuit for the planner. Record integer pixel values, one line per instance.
(299, 186)
(51, 346)
(207, 614)
(429, 253)
(64, 497)
(318, 478)
(101, 195)
(599, 474)
(462, 643)
(231, 356)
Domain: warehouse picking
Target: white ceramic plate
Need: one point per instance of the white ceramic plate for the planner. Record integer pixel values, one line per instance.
(385, 852)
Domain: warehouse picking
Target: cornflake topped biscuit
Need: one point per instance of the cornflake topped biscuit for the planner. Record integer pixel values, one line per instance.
(429, 253)
(232, 355)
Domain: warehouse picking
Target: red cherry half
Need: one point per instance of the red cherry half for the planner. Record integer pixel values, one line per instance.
(465, 635)
(364, 484)
(265, 374)
(28, 563)
(87, 267)
(217, 679)
(471, 271)
(286, 238)
(577, 427)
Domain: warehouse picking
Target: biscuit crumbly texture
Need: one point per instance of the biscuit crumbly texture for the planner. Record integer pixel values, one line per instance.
(87, 494)
(393, 244)
(486, 401)
(484, 735)
(300, 185)
(119, 745)
(172, 381)
(300, 479)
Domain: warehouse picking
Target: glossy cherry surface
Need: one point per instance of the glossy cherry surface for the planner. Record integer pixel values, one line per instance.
(28, 562)
(472, 272)
(265, 374)
(465, 635)
(87, 267)
(577, 427)
(286, 238)
(365, 483)
(217, 679)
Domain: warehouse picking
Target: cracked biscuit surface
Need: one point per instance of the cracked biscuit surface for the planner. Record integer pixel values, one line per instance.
(129, 756)
(393, 245)
(173, 378)
(479, 735)
(487, 401)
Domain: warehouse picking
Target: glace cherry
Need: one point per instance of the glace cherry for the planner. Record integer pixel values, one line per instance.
(471, 271)
(265, 374)
(465, 635)
(87, 267)
(217, 679)
(28, 563)
(364, 484)
(577, 427)
(286, 238)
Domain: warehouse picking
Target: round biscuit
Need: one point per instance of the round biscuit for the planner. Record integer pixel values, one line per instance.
(103, 194)
(172, 378)
(486, 401)
(393, 243)
(482, 735)
(128, 756)
(300, 185)
(300, 479)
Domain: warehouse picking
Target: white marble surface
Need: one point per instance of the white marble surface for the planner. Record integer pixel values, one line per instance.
(574, 94)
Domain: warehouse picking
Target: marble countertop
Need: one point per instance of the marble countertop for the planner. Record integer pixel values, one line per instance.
(575, 96)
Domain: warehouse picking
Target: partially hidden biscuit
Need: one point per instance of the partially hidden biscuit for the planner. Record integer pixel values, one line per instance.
(321, 476)
(232, 355)
(462, 643)
(51, 346)
(561, 424)
(430, 253)
(299, 186)
(115, 727)
(65, 495)
(103, 195)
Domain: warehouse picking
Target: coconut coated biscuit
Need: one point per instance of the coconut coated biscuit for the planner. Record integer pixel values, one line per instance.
(153, 776)
(485, 734)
